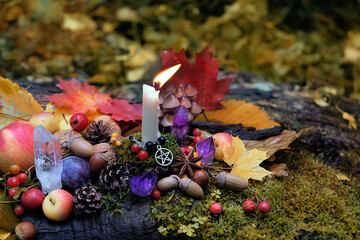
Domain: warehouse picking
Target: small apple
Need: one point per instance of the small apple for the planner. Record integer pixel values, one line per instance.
(16, 145)
(220, 141)
(58, 205)
(48, 120)
(79, 121)
(64, 123)
(32, 199)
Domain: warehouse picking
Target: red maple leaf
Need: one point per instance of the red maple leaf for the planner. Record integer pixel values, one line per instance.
(203, 75)
(80, 98)
(121, 110)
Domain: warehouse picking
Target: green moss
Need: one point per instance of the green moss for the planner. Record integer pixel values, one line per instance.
(124, 153)
(311, 199)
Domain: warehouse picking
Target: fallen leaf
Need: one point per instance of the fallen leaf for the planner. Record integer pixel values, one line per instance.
(248, 114)
(203, 75)
(8, 219)
(16, 102)
(4, 234)
(278, 170)
(121, 110)
(236, 149)
(341, 176)
(245, 163)
(274, 144)
(80, 98)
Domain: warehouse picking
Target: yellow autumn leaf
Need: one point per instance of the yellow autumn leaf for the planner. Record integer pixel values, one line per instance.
(247, 166)
(248, 114)
(4, 234)
(245, 163)
(16, 102)
(234, 151)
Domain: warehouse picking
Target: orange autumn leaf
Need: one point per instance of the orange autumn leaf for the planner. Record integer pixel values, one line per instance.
(245, 164)
(16, 102)
(80, 98)
(248, 114)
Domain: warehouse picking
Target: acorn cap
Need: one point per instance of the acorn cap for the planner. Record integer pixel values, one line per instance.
(184, 101)
(179, 92)
(167, 120)
(181, 85)
(190, 117)
(190, 90)
(171, 102)
(195, 108)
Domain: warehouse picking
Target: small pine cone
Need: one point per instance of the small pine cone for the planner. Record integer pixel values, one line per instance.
(87, 199)
(98, 132)
(115, 176)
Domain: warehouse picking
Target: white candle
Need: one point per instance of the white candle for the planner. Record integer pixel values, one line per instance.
(150, 114)
(150, 105)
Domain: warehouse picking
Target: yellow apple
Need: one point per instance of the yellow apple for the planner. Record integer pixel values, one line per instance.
(58, 205)
(220, 141)
(48, 120)
(64, 123)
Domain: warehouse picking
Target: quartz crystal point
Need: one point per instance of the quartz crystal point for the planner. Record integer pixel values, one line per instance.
(180, 125)
(48, 162)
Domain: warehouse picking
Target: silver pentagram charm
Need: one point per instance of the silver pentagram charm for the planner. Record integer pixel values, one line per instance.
(163, 156)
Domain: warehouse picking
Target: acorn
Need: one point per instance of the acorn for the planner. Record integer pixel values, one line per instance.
(191, 188)
(80, 147)
(168, 183)
(231, 181)
(97, 163)
(201, 177)
(25, 231)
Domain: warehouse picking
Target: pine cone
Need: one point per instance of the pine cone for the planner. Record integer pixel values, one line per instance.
(98, 132)
(173, 97)
(87, 199)
(115, 176)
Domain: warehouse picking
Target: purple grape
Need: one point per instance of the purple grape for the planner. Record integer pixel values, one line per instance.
(76, 171)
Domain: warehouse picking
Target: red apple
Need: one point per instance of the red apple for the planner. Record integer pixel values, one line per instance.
(58, 205)
(48, 120)
(16, 145)
(32, 199)
(79, 121)
(220, 141)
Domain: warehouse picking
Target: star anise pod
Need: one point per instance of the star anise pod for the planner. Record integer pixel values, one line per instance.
(187, 162)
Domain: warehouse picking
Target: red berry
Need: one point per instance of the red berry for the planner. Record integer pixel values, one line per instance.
(248, 205)
(135, 148)
(197, 139)
(264, 207)
(13, 182)
(215, 208)
(196, 132)
(12, 192)
(79, 121)
(14, 169)
(156, 194)
(19, 210)
(143, 155)
(21, 177)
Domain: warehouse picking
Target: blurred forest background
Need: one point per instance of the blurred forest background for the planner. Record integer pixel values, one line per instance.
(308, 42)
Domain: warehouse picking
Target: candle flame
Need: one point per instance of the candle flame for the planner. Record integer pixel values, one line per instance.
(162, 77)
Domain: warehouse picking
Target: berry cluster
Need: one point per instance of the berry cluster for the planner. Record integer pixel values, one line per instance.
(114, 139)
(250, 206)
(197, 135)
(143, 151)
(13, 183)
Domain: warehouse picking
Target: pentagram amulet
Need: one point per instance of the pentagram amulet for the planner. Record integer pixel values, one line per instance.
(163, 156)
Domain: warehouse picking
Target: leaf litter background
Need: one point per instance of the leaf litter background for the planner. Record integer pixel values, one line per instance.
(119, 42)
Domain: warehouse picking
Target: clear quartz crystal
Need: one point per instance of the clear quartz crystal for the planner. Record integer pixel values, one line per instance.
(48, 161)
